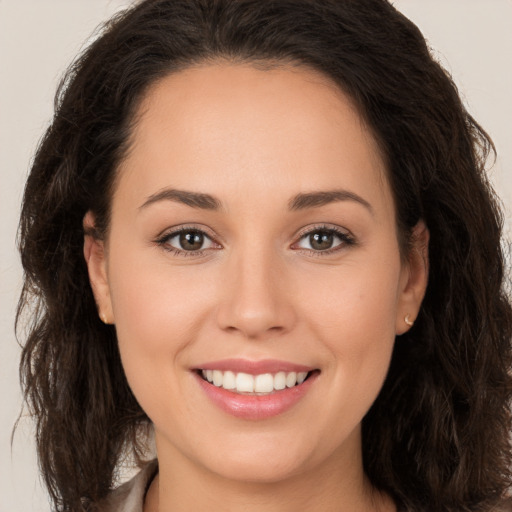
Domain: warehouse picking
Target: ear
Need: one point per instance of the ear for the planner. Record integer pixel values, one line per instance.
(414, 279)
(95, 258)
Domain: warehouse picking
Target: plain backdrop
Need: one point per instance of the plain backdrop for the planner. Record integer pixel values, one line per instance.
(39, 38)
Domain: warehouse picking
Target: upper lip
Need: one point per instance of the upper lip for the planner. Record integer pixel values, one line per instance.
(254, 367)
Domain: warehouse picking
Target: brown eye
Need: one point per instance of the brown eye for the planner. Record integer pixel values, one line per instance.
(321, 240)
(324, 240)
(191, 240)
(187, 241)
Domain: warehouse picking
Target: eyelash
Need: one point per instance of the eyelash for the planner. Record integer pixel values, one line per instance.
(346, 240)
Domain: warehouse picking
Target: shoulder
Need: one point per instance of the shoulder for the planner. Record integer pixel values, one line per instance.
(129, 497)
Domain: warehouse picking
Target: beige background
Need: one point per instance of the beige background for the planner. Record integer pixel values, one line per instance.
(38, 38)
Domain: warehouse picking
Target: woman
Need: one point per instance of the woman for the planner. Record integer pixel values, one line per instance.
(263, 229)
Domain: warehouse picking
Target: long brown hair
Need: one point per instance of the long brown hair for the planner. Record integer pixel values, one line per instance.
(437, 437)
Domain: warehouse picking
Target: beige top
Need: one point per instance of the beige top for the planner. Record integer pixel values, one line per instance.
(129, 497)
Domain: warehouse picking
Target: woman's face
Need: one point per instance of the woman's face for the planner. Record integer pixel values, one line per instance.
(253, 235)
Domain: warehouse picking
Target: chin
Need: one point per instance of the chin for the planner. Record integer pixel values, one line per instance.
(261, 459)
(269, 470)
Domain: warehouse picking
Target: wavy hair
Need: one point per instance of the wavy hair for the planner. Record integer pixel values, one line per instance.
(437, 437)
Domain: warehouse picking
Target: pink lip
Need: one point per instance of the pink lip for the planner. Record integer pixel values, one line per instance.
(255, 407)
(254, 367)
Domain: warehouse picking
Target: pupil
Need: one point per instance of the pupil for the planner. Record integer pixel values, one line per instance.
(321, 240)
(191, 240)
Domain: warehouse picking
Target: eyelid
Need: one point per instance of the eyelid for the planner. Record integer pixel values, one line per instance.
(323, 227)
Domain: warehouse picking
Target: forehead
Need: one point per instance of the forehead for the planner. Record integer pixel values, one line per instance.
(222, 127)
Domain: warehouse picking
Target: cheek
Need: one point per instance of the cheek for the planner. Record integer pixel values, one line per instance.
(355, 317)
(157, 310)
(357, 298)
(155, 302)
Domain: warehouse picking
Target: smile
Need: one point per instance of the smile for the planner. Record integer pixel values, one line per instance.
(252, 390)
(262, 384)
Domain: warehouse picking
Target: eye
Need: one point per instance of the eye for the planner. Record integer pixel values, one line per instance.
(186, 240)
(324, 239)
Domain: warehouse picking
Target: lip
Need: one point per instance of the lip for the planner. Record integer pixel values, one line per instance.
(255, 407)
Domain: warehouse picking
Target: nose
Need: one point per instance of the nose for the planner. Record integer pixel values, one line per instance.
(256, 300)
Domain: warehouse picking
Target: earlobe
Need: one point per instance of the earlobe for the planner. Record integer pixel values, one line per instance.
(416, 279)
(95, 258)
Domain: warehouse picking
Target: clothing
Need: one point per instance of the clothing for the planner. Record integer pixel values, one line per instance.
(129, 497)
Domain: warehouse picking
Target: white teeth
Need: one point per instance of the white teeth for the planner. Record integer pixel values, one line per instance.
(245, 383)
(217, 378)
(279, 381)
(264, 383)
(291, 379)
(229, 381)
(301, 377)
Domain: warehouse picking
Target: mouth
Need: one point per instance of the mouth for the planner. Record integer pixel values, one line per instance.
(256, 385)
(255, 390)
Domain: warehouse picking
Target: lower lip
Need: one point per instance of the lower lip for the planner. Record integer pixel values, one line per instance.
(256, 407)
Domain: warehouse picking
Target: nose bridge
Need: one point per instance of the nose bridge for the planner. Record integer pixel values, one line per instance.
(255, 302)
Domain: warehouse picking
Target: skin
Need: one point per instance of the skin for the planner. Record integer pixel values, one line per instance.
(255, 139)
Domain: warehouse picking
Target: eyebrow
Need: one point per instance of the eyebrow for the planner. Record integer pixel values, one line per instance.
(301, 201)
(192, 199)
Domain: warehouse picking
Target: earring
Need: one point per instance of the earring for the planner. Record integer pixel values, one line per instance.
(104, 318)
(408, 321)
